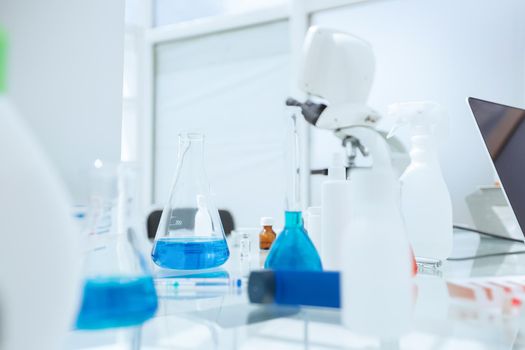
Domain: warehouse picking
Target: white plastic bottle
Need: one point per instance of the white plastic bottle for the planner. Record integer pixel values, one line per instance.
(40, 255)
(377, 285)
(425, 199)
(203, 225)
(314, 227)
(335, 204)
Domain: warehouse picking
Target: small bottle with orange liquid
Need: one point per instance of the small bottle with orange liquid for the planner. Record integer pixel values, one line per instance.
(267, 235)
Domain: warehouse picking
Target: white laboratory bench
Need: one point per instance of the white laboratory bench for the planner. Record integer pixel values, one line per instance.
(440, 321)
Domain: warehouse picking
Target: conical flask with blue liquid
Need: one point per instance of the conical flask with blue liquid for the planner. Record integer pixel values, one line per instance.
(190, 235)
(293, 249)
(118, 290)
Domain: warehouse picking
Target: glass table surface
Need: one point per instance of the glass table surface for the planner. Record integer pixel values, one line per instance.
(443, 317)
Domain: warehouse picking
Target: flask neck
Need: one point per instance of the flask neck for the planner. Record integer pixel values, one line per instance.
(293, 219)
(191, 145)
(191, 153)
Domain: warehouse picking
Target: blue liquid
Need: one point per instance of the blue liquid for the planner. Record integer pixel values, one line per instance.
(111, 302)
(190, 253)
(293, 250)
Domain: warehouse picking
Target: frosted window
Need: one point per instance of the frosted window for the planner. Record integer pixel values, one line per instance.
(232, 87)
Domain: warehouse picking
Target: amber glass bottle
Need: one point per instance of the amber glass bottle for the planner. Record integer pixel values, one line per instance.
(267, 235)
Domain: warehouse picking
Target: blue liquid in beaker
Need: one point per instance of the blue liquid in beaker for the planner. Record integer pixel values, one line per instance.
(190, 253)
(111, 302)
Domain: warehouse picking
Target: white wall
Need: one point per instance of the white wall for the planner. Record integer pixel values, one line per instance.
(442, 50)
(66, 79)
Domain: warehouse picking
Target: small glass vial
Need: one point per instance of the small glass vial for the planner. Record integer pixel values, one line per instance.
(245, 246)
(267, 235)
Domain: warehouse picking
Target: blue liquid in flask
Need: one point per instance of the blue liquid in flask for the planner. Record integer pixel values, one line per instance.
(293, 250)
(190, 253)
(111, 302)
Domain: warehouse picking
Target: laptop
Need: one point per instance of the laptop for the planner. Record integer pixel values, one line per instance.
(503, 130)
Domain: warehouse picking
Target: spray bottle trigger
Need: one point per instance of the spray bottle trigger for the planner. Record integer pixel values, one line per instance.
(394, 110)
(393, 131)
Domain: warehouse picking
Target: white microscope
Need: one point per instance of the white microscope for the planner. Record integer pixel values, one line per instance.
(338, 71)
(369, 237)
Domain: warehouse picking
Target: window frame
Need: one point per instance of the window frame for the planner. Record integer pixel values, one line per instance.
(298, 14)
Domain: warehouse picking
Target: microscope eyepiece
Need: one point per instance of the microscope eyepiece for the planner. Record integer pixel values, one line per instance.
(293, 102)
(311, 111)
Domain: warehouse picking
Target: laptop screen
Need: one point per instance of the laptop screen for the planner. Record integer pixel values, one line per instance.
(503, 130)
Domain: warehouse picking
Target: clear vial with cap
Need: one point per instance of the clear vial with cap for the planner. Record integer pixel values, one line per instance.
(245, 247)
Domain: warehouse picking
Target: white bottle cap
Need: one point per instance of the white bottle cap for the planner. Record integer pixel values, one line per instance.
(201, 201)
(267, 221)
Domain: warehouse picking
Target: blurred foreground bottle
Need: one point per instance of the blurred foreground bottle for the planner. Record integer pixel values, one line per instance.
(119, 289)
(39, 244)
(190, 235)
(377, 262)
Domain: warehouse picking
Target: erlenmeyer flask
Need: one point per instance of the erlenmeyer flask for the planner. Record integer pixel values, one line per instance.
(293, 249)
(119, 290)
(190, 235)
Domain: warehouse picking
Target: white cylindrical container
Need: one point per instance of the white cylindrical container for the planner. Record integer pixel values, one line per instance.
(313, 225)
(335, 203)
(377, 286)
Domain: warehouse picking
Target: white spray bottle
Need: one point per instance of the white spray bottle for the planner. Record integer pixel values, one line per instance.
(425, 199)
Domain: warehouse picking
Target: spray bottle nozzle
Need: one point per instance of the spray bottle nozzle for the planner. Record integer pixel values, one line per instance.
(425, 118)
(311, 111)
